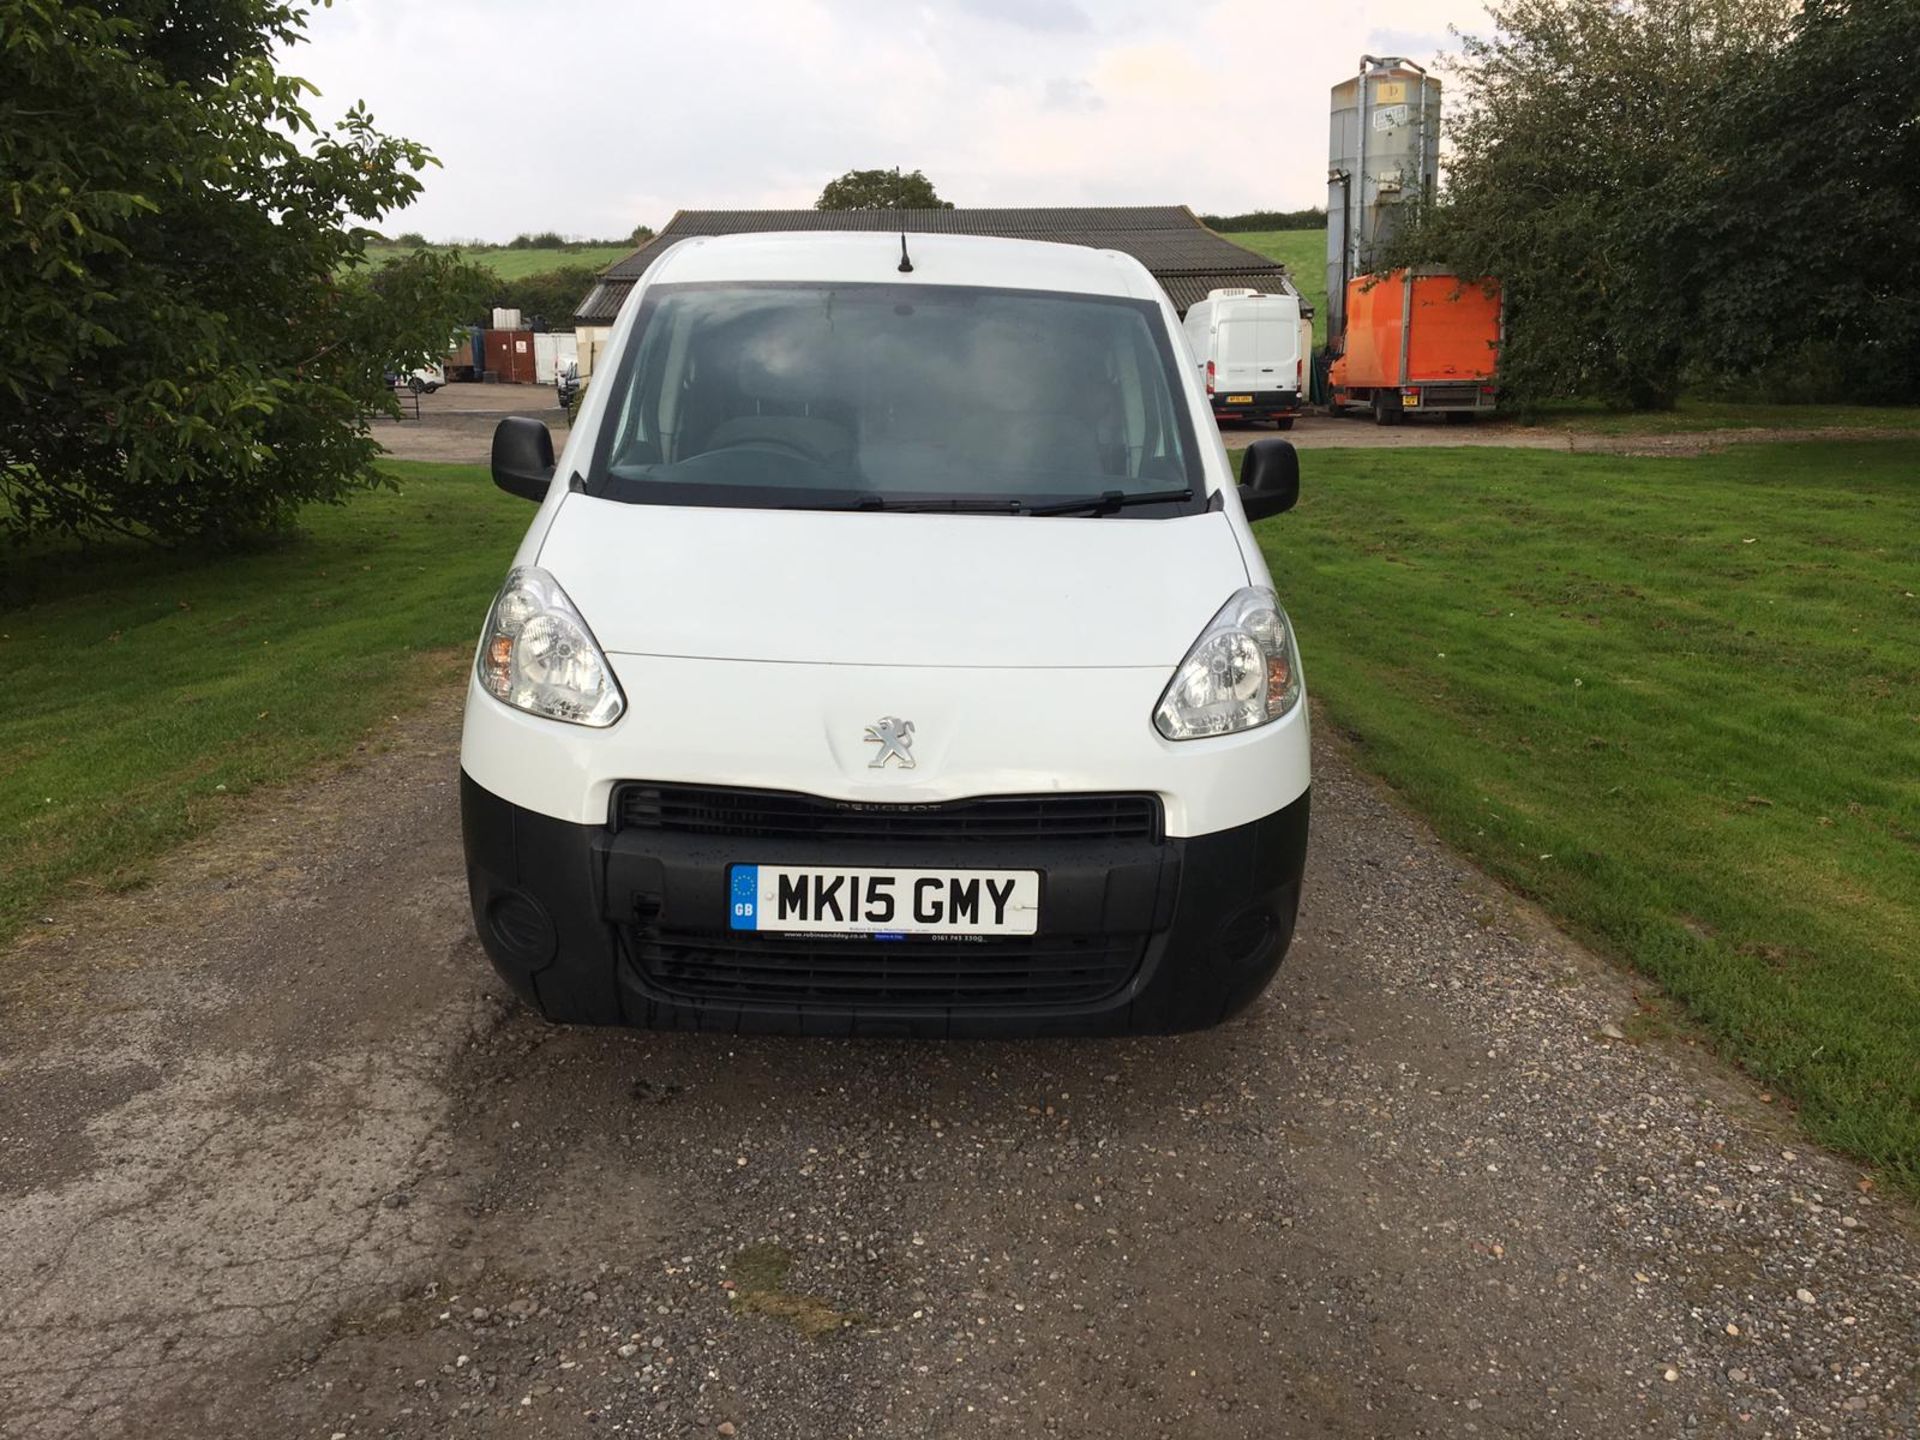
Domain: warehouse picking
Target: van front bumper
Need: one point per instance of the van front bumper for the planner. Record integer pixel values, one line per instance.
(594, 924)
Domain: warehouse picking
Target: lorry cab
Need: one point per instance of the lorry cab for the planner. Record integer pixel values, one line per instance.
(1252, 353)
(890, 653)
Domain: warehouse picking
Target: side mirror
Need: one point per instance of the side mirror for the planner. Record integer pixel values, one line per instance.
(523, 457)
(1269, 479)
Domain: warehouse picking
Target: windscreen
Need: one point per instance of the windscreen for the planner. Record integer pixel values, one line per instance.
(835, 395)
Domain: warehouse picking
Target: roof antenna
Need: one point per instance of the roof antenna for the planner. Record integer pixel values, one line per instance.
(906, 265)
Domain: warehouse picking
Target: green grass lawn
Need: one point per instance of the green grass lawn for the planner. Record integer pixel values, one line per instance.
(1691, 415)
(518, 264)
(144, 681)
(1677, 701)
(1304, 253)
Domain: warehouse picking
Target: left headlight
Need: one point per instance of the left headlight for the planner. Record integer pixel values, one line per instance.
(1242, 672)
(537, 654)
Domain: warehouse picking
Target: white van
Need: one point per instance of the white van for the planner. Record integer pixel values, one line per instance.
(867, 669)
(1252, 351)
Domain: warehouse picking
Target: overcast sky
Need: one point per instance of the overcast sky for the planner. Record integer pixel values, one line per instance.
(591, 116)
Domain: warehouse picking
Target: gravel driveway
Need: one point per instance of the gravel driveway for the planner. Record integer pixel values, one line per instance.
(277, 1159)
(455, 425)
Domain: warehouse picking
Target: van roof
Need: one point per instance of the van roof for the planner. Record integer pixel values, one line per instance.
(874, 256)
(1247, 297)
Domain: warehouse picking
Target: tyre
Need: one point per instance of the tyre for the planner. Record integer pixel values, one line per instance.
(1285, 422)
(416, 384)
(1387, 411)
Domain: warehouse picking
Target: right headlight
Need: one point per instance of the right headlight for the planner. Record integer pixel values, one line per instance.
(1242, 672)
(538, 655)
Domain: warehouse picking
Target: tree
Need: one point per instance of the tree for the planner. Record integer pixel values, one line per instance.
(1585, 133)
(551, 295)
(192, 345)
(641, 234)
(1811, 216)
(881, 190)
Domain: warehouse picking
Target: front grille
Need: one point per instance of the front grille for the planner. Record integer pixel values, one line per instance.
(779, 815)
(1032, 972)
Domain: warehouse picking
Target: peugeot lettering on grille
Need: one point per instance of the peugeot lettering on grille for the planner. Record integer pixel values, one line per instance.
(895, 739)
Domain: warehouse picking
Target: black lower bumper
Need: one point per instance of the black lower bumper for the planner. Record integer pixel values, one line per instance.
(1255, 405)
(597, 926)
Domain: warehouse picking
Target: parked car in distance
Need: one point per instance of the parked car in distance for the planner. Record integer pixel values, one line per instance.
(566, 385)
(890, 653)
(421, 380)
(1252, 350)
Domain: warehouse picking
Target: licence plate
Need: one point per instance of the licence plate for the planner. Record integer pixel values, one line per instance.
(835, 901)
(1239, 399)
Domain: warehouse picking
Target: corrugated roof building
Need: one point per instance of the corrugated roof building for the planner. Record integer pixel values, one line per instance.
(1185, 257)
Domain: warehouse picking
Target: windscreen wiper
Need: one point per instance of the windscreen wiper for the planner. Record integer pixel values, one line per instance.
(1107, 501)
(921, 507)
(954, 507)
(1102, 504)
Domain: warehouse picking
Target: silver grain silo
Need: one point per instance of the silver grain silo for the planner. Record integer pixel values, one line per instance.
(1383, 150)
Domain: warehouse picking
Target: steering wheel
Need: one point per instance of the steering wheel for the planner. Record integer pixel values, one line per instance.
(793, 448)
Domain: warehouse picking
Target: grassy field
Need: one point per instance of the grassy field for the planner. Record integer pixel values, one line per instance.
(1677, 701)
(1694, 415)
(518, 264)
(1304, 252)
(150, 689)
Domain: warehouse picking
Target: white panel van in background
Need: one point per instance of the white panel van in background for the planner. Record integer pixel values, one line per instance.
(1252, 350)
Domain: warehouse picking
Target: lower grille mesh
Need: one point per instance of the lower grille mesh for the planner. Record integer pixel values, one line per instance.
(930, 975)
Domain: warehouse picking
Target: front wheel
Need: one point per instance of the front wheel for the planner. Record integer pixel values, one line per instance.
(416, 384)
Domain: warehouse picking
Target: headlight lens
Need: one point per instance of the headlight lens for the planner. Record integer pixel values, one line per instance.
(537, 654)
(1243, 671)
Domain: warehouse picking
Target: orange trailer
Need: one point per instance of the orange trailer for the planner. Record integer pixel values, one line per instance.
(1418, 340)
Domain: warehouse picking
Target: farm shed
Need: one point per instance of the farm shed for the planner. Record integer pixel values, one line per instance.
(1185, 257)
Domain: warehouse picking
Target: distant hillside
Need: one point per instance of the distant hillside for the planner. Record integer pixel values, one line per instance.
(518, 264)
(1304, 253)
(1264, 220)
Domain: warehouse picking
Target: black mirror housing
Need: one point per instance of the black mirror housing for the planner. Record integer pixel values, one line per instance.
(523, 457)
(1269, 479)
